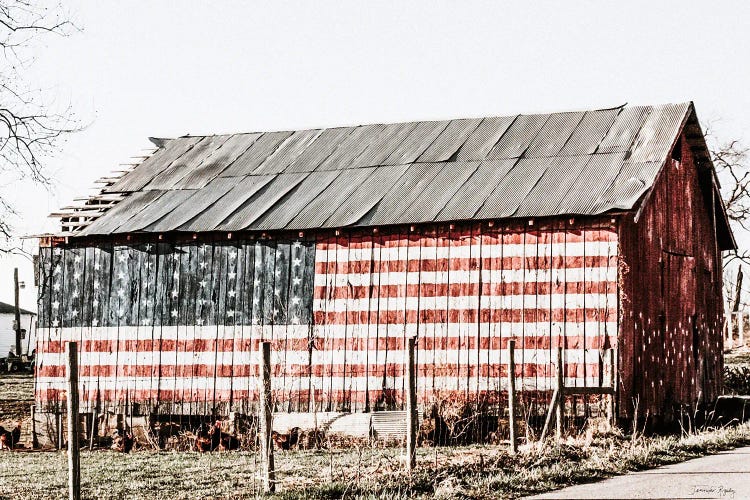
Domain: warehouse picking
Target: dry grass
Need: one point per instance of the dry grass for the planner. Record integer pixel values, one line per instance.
(458, 472)
(17, 387)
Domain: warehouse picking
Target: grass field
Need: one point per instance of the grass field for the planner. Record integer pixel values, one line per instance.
(461, 472)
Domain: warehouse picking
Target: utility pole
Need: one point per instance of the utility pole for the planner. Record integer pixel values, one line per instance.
(18, 314)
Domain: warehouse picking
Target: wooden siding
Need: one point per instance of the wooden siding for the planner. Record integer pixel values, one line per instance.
(671, 343)
(175, 326)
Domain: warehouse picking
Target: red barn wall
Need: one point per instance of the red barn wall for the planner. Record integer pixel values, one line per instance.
(671, 343)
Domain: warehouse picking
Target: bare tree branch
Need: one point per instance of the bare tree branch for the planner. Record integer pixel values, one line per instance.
(31, 127)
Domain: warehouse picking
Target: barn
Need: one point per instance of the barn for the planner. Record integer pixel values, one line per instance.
(592, 231)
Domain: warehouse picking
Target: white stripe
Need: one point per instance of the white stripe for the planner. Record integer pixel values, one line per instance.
(545, 301)
(561, 275)
(494, 250)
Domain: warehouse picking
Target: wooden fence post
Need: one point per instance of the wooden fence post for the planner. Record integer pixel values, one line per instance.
(74, 459)
(741, 328)
(561, 393)
(613, 382)
(265, 417)
(34, 437)
(512, 395)
(411, 408)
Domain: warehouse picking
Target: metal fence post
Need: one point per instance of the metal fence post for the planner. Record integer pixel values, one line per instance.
(561, 393)
(411, 408)
(265, 417)
(512, 395)
(74, 459)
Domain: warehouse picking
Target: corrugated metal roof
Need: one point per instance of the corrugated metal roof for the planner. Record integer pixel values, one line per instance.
(509, 166)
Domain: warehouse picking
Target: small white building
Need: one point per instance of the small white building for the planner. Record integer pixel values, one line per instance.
(8, 334)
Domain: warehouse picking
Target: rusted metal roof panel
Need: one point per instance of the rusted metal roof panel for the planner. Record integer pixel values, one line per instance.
(553, 135)
(319, 211)
(390, 138)
(420, 138)
(255, 206)
(554, 184)
(600, 171)
(589, 132)
(623, 131)
(217, 162)
(351, 147)
(366, 196)
(513, 188)
(244, 189)
(516, 140)
(251, 159)
(187, 163)
(162, 206)
(469, 199)
(320, 149)
(484, 138)
(430, 202)
(403, 194)
(193, 206)
(120, 213)
(295, 201)
(153, 165)
(450, 140)
(287, 152)
(658, 133)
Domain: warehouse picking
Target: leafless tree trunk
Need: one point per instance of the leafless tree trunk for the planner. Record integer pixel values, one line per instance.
(30, 125)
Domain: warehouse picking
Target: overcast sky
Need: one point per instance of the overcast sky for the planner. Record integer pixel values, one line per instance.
(139, 69)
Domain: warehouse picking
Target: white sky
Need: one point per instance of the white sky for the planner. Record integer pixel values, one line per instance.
(147, 68)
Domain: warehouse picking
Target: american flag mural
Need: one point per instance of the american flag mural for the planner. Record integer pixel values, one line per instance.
(176, 327)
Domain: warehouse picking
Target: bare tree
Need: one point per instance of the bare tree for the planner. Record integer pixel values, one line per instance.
(31, 126)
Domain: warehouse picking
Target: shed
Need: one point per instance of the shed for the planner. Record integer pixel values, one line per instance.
(587, 230)
(8, 332)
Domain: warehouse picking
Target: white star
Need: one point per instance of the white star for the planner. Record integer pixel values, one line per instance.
(296, 262)
(277, 271)
(232, 275)
(257, 264)
(297, 244)
(276, 291)
(96, 285)
(148, 302)
(174, 313)
(58, 251)
(296, 280)
(231, 293)
(120, 312)
(174, 293)
(233, 254)
(75, 293)
(95, 322)
(97, 267)
(256, 283)
(120, 292)
(256, 300)
(148, 247)
(176, 256)
(199, 321)
(77, 259)
(74, 313)
(275, 312)
(56, 286)
(57, 270)
(203, 265)
(255, 321)
(95, 302)
(146, 322)
(77, 276)
(230, 313)
(121, 276)
(176, 274)
(123, 257)
(295, 300)
(200, 302)
(295, 320)
(55, 323)
(203, 283)
(55, 305)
